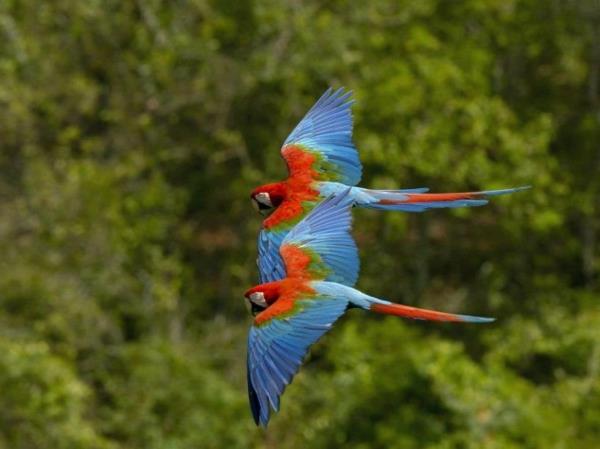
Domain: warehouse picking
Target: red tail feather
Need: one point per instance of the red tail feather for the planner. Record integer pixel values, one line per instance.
(424, 314)
(430, 197)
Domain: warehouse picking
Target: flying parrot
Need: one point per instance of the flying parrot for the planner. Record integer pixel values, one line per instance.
(321, 265)
(321, 161)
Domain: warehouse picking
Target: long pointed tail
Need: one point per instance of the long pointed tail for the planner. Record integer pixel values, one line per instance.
(415, 313)
(417, 202)
(357, 298)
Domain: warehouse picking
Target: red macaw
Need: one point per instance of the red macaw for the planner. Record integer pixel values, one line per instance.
(322, 161)
(321, 266)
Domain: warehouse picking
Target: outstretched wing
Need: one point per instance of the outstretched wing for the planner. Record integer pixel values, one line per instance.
(320, 148)
(278, 342)
(321, 247)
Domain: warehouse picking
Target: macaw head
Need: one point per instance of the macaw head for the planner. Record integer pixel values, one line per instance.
(262, 296)
(268, 197)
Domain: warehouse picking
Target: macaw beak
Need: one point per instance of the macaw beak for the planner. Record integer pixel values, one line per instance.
(255, 310)
(252, 308)
(262, 209)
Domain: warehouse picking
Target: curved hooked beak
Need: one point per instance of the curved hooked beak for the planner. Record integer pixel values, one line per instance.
(262, 209)
(252, 308)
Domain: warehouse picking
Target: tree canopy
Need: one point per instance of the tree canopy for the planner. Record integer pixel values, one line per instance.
(131, 135)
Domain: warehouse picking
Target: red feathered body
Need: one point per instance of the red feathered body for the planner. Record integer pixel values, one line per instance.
(281, 296)
(295, 190)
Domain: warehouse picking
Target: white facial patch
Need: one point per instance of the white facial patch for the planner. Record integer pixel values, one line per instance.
(258, 298)
(264, 198)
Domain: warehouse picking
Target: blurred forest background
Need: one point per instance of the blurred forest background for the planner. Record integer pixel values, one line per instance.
(131, 134)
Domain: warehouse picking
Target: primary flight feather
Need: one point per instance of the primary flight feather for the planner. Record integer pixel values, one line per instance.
(321, 264)
(322, 160)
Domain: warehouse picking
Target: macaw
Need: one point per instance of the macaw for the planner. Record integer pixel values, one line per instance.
(321, 266)
(321, 161)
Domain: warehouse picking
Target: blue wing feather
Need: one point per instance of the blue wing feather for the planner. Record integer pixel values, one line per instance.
(277, 348)
(325, 231)
(252, 394)
(270, 264)
(326, 129)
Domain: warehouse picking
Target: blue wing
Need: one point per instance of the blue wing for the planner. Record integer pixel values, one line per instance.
(324, 235)
(270, 264)
(326, 131)
(277, 347)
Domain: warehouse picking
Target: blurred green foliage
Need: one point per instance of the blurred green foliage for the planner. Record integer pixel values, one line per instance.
(131, 133)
